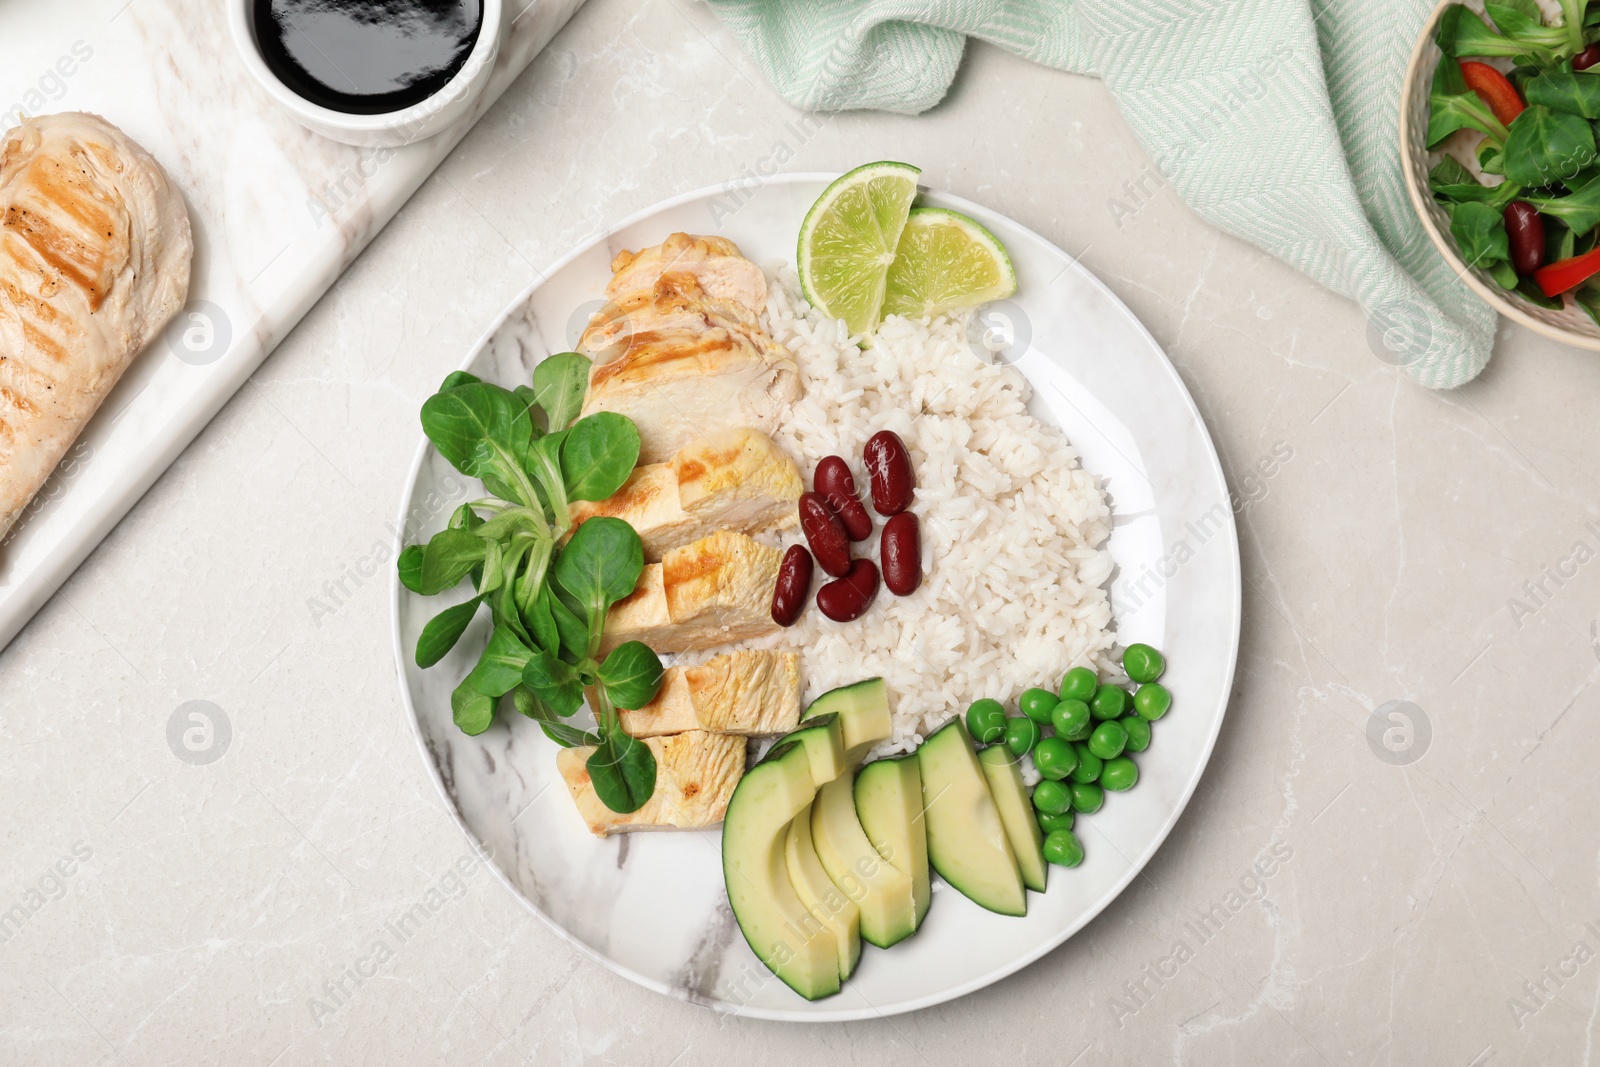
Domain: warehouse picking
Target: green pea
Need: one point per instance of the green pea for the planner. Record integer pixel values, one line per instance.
(1108, 740)
(1051, 823)
(1088, 768)
(1086, 797)
(986, 721)
(1037, 704)
(1143, 663)
(1052, 798)
(1064, 848)
(1152, 701)
(1055, 758)
(1022, 733)
(1109, 702)
(1071, 720)
(1119, 774)
(1079, 684)
(1138, 731)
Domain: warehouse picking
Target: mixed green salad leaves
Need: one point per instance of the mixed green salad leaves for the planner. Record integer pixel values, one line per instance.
(547, 600)
(1534, 230)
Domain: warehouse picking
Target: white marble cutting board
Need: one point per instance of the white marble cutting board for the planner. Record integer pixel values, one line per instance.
(278, 213)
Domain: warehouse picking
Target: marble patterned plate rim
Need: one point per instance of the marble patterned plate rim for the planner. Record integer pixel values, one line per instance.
(1046, 945)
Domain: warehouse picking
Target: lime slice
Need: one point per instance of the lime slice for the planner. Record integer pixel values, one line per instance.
(848, 240)
(945, 262)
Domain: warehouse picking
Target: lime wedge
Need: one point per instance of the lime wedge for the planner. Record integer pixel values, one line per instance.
(848, 240)
(945, 262)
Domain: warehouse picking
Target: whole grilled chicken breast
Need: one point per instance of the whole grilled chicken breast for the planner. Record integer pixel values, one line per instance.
(94, 261)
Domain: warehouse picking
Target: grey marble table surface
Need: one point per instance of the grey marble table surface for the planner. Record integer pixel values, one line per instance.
(1408, 754)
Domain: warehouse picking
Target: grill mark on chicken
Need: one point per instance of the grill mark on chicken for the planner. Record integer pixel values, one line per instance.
(648, 352)
(687, 566)
(89, 266)
(17, 403)
(42, 342)
(71, 189)
(693, 468)
(636, 495)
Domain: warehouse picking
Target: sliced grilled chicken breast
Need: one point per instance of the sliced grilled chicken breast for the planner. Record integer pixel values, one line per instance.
(686, 379)
(715, 262)
(712, 592)
(735, 480)
(94, 261)
(738, 480)
(749, 692)
(695, 776)
(679, 386)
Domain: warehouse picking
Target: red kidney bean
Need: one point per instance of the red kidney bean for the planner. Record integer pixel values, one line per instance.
(902, 554)
(1586, 58)
(848, 598)
(853, 515)
(824, 534)
(833, 480)
(1525, 228)
(889, 471)
(794, 585)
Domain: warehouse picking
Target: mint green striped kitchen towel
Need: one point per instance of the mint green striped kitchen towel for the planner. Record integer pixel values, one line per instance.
(1276, 120)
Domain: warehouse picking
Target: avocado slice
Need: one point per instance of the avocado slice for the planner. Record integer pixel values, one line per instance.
(889, 805)
(863, 710)
(823, 739)
(882, 891)
(1016, 814)
(835, 911)
(966, 841)
(784, 936)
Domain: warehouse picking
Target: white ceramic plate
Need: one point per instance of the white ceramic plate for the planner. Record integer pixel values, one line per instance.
(652, 906)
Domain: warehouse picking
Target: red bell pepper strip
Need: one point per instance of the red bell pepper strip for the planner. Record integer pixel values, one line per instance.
(1566, 274)
(1495, 89)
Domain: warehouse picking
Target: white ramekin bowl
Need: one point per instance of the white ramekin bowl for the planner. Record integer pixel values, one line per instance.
(392, 129)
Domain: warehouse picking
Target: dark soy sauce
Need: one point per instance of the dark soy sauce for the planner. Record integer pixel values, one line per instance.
(366, 57)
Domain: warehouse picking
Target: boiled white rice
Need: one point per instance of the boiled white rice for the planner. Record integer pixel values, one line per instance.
(1012, 526)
